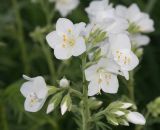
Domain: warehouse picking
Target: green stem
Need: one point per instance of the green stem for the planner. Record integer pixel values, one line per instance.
(20, 36)
(49, 14)
(79, 94)
(85, 112)
(150, 6)
(49, 59)
(3, 118)
(131, 86)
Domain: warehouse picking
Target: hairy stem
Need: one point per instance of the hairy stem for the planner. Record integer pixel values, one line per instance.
(3, 118)
(85, 112)
(131, 86)
(20, 36)
(150, 6)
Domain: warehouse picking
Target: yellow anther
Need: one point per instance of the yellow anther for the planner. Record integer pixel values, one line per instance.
(69, 30)
(71, 42)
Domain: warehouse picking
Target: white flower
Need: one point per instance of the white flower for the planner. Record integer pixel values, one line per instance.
(139, 40)
(141, 21)
(103, 14)
(35, 91)
(136, 118)
(64, 82)
(118, 47)
(100, 77)
(65, 6)
(100, 10)
(67, 40)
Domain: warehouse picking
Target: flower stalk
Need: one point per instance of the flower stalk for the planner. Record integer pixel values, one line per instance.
(20, 36)
(85, 112)
(131, 86)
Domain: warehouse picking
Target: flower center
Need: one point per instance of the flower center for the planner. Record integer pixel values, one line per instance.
(68, 40)
(123, 58)
(33, 99)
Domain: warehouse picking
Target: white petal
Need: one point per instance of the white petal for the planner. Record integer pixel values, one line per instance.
(120, 41)
(110, 84)
(27, 88)
(50, 108)
(134, 13)
(90, 73)
(79, 28)
(93, 88)
(146, 25)
(117, 26)
(66, 7)
(125, 74)
(63, 25)
(53, 39)
(112, 66)
(26, 77)
(64, 108)
(121, 11)
(79, 47)
(136, 118)
(62, 53)
(139, 40)
(40, 87)
(126, 59)
(30, 107)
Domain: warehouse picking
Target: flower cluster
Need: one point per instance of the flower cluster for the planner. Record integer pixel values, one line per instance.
(108, 46)
(122, 113)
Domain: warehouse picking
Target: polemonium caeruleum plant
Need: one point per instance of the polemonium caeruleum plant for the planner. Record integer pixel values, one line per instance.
(109, 46)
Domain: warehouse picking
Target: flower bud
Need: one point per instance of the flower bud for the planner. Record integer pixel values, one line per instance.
(54, 102)
(64, 82)
(66, 104)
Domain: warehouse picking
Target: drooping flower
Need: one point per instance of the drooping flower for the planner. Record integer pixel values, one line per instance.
(67, 40)
(138, 21)
(35, 91)
(65, 6)
(100, 77)
(118, 47)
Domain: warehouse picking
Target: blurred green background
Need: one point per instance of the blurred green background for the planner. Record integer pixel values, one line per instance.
(25, 52)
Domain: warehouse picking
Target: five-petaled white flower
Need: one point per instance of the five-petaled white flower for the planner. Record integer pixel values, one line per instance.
(103, 14)
(100, 77)
(67, 40)
(137, 19)
(65, 6)
(35, 91)
(118, 47)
